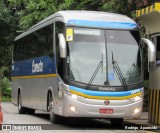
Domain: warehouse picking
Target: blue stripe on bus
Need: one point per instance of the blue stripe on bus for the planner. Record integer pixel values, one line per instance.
(100, 93)
(24, 68)
(102, 24)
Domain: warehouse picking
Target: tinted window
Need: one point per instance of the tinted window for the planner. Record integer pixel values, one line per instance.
(36, 44)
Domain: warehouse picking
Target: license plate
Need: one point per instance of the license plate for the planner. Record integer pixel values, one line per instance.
(106, 111)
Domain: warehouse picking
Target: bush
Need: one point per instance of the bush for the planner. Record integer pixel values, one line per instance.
(4, 85)
(7, 93)
(5, 90)
(6, 99)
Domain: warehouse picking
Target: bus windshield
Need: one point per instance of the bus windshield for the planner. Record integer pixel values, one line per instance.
(92, 48)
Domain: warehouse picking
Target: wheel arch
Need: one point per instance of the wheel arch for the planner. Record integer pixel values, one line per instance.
(50, 91)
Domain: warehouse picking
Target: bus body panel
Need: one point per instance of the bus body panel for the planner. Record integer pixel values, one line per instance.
(33, 78)
(31, 98)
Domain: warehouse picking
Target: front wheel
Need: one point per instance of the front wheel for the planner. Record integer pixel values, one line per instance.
(116, 121)
(55, 119)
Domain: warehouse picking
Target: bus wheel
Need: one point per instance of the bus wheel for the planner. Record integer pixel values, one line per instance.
(55, 119)
(116, 121)
(30, 111)
(21, 109)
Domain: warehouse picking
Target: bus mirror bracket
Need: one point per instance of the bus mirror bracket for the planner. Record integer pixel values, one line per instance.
(151, 52)
(62, 45)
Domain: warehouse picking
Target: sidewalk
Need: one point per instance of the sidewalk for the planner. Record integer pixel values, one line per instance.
(142, 123)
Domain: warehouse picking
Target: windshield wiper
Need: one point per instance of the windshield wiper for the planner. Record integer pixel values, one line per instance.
(94, 74)
(119, 73)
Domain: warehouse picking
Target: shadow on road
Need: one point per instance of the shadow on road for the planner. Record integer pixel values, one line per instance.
(86, 124)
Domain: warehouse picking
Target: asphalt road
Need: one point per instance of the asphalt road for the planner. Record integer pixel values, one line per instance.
(41, 120)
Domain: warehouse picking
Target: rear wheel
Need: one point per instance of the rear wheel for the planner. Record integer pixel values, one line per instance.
(21, 110)
(55, 119)
(116, 121)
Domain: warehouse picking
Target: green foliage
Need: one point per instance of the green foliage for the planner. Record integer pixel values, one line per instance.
(4, 83)
(5, 56)
(6, 99)
(7, 35)
(6, 59)
(7, 93)
(32, 11)
(5, 87)
(4, 27)
(36, 10)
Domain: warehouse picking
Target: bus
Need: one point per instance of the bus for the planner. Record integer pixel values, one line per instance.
(84, 64)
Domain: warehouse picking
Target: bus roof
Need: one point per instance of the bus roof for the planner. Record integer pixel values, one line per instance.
(93, 19)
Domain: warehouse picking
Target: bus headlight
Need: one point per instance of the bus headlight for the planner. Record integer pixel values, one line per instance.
(136, 99)
(74, 96)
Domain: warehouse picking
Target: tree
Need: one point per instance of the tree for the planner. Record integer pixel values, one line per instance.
(32, 11)
(8, 32)
(36, 10)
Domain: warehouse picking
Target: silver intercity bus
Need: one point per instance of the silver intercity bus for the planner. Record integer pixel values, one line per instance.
(80, 64)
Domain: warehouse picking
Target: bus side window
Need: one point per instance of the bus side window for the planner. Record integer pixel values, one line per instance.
(59, 28)
(48, 50)
(41, 42)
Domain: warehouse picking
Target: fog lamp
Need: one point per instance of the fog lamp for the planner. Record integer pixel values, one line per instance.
(136, 110)
(72, 108)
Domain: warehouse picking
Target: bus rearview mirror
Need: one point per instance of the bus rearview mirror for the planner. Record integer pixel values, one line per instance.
(151, 52)
(62, 45)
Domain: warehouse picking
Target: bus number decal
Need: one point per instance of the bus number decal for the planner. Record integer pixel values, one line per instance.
(135, 91)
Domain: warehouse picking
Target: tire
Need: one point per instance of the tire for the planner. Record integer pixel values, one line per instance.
(55, 119)
(116, 121)
(30, 111)
(21, 109)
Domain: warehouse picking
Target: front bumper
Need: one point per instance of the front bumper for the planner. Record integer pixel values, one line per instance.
(121, 108)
